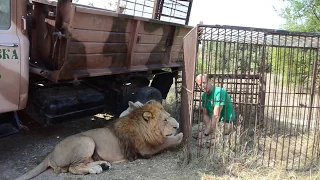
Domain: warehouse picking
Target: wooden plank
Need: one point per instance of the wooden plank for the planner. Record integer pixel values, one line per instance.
(97, 48)
(147, 58)
(177, 48)
(182, 31)
(169, 43)
(101, 23)
(96, 61)
(151, 39)
(176, 56)
(155, 58)
(68, 35)
(150, 28)
(99, 36)
(147, 48)
(133, 41)
(178, 40)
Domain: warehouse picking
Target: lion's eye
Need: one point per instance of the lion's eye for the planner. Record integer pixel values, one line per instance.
(165, 120)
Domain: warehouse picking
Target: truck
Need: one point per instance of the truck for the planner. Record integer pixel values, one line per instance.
(60, 61)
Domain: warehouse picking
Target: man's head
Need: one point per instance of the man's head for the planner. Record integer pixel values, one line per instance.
(204, 82)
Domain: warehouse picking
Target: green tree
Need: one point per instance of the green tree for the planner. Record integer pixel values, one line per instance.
(301, 15)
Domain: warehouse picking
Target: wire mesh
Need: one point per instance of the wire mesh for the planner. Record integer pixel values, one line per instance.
(176, 11)
(142, 8)
(273, 79)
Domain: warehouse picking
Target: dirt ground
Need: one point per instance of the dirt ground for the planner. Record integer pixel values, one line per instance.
(21, 152)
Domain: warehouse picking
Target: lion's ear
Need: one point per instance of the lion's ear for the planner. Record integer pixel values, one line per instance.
(147, 116)
(131, 104)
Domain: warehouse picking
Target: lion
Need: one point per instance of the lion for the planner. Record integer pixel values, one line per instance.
(143, 133)
(131, 106)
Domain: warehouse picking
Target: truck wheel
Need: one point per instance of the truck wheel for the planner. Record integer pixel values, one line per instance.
(148, 93)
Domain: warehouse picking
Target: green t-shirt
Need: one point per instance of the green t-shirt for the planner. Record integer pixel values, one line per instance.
(217, 97)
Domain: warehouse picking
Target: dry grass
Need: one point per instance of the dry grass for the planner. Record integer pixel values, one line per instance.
(239, 155)
(220, 162)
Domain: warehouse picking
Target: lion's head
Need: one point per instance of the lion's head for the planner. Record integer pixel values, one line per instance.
(146, 126)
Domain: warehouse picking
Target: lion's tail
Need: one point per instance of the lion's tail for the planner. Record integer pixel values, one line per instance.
(36, 171)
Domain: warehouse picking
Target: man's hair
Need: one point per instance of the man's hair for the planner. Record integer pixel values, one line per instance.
(202, 75)
(199, 76)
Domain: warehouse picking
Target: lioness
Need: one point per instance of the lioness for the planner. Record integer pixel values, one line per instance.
(144, 132)
(134, 105)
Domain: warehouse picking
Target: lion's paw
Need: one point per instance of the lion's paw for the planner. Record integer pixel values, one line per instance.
(95, 169)
(179, 138)
(105, 165)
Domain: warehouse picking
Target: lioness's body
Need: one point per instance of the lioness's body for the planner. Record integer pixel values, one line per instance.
(144, 132)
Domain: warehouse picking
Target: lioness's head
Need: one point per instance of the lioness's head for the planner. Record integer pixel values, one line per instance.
(131, 107)
(134, 105)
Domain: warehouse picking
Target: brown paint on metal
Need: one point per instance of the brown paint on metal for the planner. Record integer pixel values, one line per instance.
(190, 53)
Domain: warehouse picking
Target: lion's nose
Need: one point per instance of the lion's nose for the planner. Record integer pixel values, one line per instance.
(177, 127)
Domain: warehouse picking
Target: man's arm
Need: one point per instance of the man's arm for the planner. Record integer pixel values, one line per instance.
(215, 116)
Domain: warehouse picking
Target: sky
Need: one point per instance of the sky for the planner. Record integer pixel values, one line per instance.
(252, 13)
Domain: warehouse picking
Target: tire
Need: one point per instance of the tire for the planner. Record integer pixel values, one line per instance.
(148, 93)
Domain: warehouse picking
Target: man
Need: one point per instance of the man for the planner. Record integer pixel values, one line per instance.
(216, 104)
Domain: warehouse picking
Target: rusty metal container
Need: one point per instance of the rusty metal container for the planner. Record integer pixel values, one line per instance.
(71, 41)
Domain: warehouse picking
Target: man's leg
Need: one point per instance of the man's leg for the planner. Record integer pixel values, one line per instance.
(206, 117)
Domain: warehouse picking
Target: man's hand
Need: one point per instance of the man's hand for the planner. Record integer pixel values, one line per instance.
(215, 116)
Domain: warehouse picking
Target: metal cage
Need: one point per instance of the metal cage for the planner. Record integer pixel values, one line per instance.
(273, 79)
